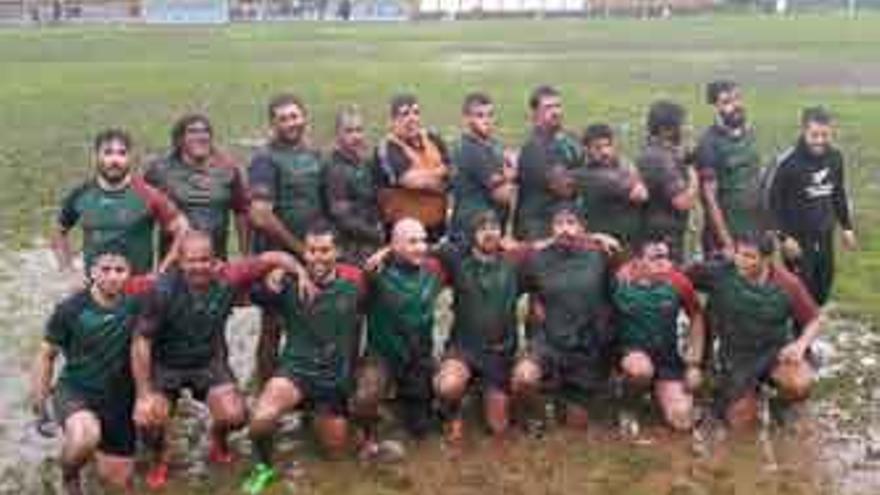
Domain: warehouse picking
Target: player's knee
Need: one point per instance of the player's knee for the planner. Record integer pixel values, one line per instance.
(743, 413)
(679, 414)
(638, 368)
(82, 431)
(227, 409)
(526, 377)
(333, 434)
(451, 382)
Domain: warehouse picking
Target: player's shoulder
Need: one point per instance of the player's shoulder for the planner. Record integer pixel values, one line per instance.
(351, 274)
(80, 190)
(74, 303)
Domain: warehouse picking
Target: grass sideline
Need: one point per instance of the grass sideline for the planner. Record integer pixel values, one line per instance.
(62, 84)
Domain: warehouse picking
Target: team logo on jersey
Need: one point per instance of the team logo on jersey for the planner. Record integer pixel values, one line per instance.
(820, 186)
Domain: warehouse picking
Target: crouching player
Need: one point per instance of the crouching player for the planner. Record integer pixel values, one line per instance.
(648, 293)
(760, 305)
(179, 343)
(94, 394)
(483, 342)
(315, 367)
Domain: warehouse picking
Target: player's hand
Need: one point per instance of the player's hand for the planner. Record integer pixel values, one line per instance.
(148, 410)
(275, 281)
(376, 260)
(792, 352)
(638, 193)
(791, 250)
(38, 401)
(307, 290)
(693, 378)
(850, 242)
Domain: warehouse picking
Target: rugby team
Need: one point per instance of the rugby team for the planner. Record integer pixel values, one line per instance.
(346, 252)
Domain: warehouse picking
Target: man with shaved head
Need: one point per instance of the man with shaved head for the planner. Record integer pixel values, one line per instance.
(179, 343)
(403, 293)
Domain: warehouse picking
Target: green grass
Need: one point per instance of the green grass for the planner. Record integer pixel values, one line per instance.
(60, 85)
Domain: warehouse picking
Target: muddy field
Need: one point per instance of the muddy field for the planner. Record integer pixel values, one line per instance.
(836, 449)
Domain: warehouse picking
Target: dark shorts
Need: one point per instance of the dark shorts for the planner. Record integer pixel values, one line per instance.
(114, 414)
(667, 362)
(572, 375)
(410, 385)
(491, 369)
(320, 396)
(200, 381)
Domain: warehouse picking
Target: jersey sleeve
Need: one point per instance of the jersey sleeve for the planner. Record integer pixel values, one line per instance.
(69, 213)
(261, 177)
(241, 198)
(433, 265)
(707, 157)
(356, 276)
(242, 273)
(686, 292)
(803, 307)
(158, 203)
(139, 285)
(840, 200)
(153, 310)
(57, 330)
(391, 163)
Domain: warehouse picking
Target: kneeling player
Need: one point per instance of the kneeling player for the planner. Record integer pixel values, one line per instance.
(179, 343)
(568, 332)
(760, 305)
(483, 341)
(321, 344)
(94, 393)
(648, 292)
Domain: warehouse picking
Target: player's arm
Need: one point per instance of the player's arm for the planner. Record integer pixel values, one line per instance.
(335, 191)
(146, 326)
(68, 216)
(804, 311)
(687, 197)
(41, 375)
(262, 213)
(841, 205)
(709, 196)
(241, 203)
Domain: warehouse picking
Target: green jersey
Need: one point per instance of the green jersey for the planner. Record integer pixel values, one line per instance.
(605, 192)
(401, 310)
(94, 341)
(646, 308)
(479, 164)
(322, 335)
(123, 218)
(540, 158)
(289, 178)
(733, 162)
(186, 327)
(570, 283)
(205, 195)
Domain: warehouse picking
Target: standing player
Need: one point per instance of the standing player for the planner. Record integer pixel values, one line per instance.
(612, 191)
(316, 368)
(203, 182)
(115, 208)
(546, 161)
(413, 170)
(484, 179)
(672, 182)
(648, 292)
(179, 343)
(285, 182)
(94, 393)
(761, 306)
(569, 334)
(808, 200)
(729, 167)
(349, 190)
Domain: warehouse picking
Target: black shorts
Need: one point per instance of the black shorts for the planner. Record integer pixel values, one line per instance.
(573, 375)
(114, 414)
(200, 381)
(492, 369)
(667, 362)
(320, 396)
